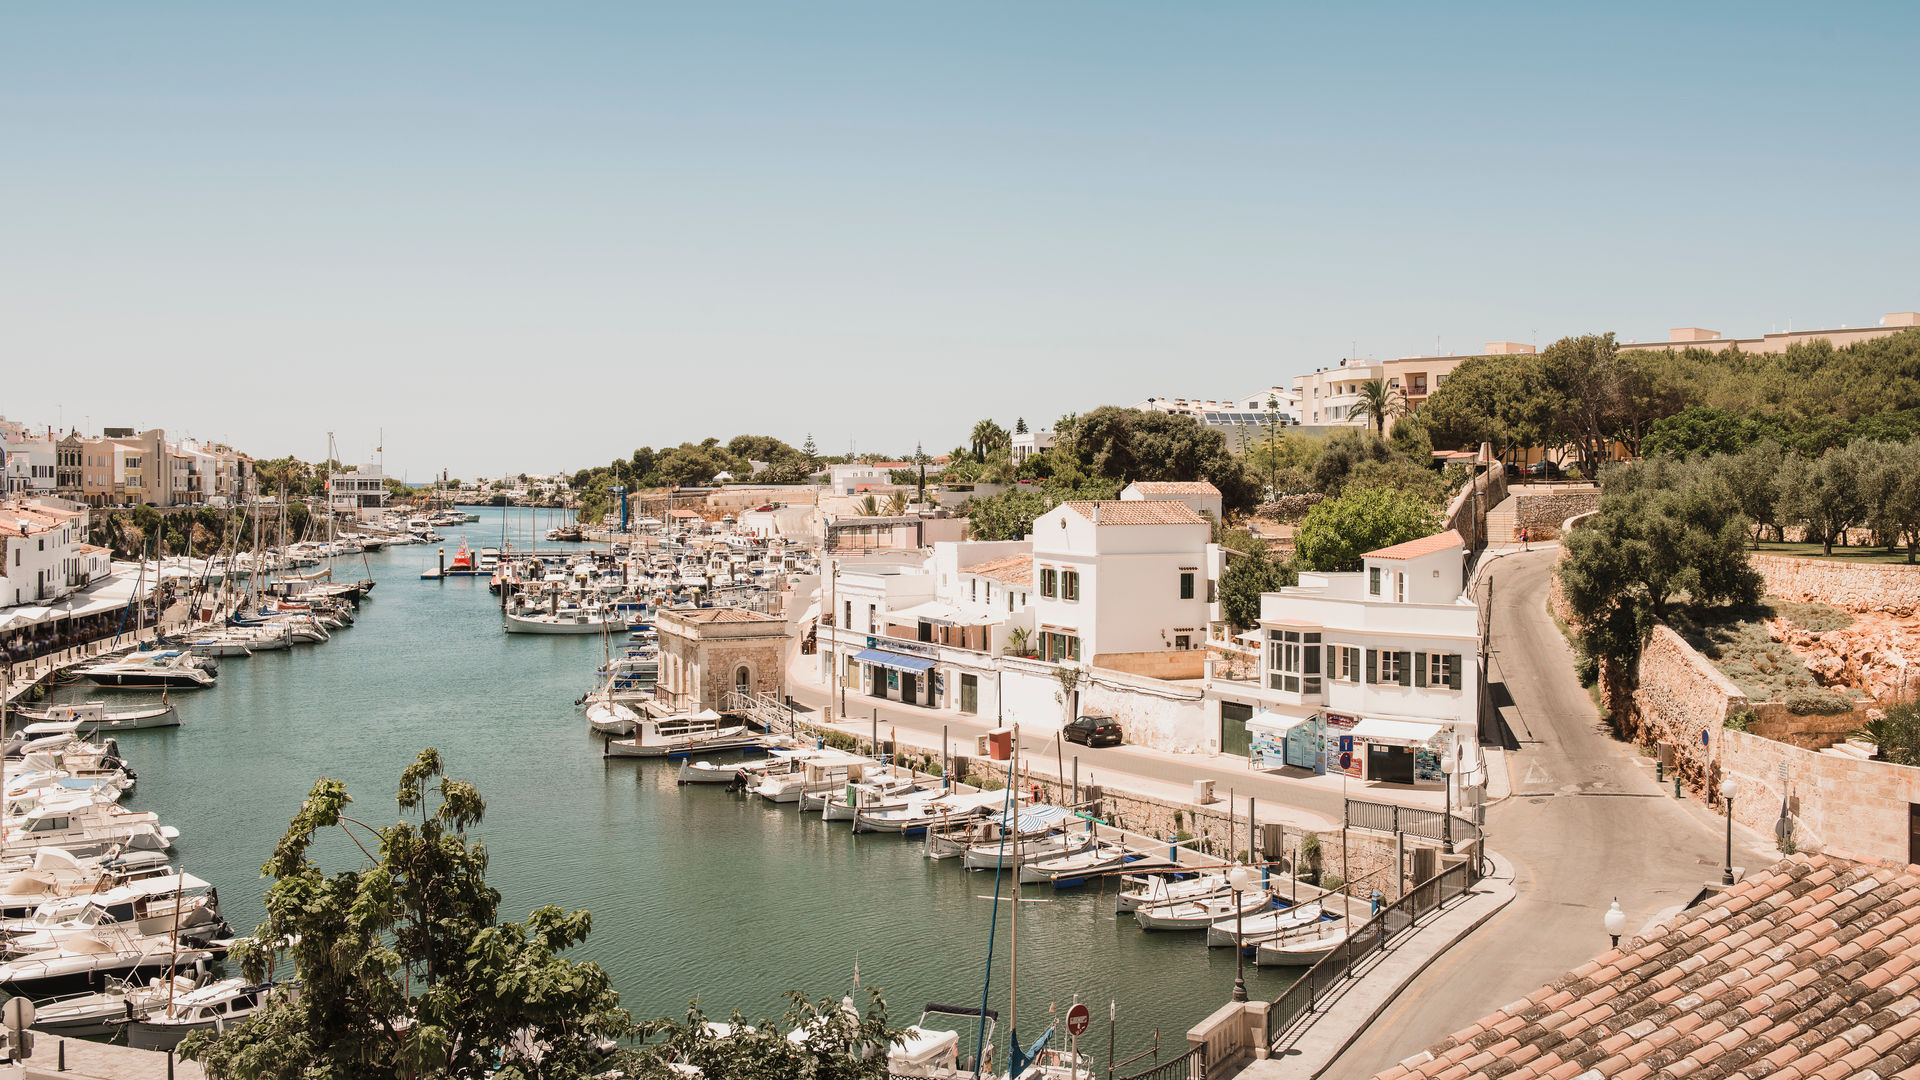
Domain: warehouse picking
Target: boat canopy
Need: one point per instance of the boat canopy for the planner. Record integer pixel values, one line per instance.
(899, 661)
(1036, 818)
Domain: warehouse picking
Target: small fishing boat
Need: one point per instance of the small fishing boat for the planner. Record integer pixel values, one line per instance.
(102, 1012)
(1254, 929)
(683, 734)
(918, 815)
(1304, 951)
(565, 621)
(1156, 889)
(611, 717)
(1202, 913)
(93, 716)
(885, 789)
(1075, 867)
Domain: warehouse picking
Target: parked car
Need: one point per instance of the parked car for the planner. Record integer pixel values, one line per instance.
(1545, 470)
(1095, 731)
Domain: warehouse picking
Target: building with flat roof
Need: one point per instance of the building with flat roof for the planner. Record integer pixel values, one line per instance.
(1682, 338)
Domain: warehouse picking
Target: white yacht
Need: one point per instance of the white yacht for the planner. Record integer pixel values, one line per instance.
(683, 734)
(151, 670)
(93, 716)
(214, 1007)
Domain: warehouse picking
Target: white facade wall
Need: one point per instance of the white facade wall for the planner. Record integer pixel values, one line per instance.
(1326, 397)
(1129, 597)
(40, 565)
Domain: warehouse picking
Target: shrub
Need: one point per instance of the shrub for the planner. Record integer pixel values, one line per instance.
(1334, 883)
(1818, 703)
(1741, 720)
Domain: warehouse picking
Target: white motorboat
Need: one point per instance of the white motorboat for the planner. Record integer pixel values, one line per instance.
(1253, 929)
(170, 668)
(1202, 913)
(93, 716)
(54, 873)
(1300, 951)
(83, 826)
(1157, 889)
(217, 1006)
(611, 717)
(682, 734)
(999, 854)
(83, 959)
(166, 904)
(887, 789)
(925, 1050)
(745, 772)
(918, 815)
(815, 770)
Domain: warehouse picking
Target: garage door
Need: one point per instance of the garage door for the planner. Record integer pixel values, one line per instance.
(1234, 738)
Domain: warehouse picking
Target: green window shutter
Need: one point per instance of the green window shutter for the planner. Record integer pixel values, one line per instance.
(1453, 670)
(1373, 665)
(1406, 662)
(1333, 664)
(1420, 670)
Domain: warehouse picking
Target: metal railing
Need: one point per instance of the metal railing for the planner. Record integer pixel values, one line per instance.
(1191, 1065)
(1385, 927)
(1412, 820)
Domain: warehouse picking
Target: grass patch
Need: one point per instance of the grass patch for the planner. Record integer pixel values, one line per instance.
(1854, 554)
(1736, 640)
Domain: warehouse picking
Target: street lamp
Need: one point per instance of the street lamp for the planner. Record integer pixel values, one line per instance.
(1446, 761)
(1728, 789)
(1238, 879)
(1616, 922)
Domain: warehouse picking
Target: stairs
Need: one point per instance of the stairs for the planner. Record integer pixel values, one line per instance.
(1503, 522)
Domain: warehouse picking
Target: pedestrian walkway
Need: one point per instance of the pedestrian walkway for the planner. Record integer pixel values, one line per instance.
(1312, 1045)
(78, 1059)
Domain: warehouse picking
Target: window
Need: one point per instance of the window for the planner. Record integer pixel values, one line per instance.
(871, 621)
(1390, 666)
(1186, 585)
(989, 592)
(1070, 584)
(1183, 642)
(1059, 646)
(1373, 581)
(1343, 663)
(1047, 582)
(1293, 661)
(1438, 671)
(973, 589)
(848, 621)
(1399, 588)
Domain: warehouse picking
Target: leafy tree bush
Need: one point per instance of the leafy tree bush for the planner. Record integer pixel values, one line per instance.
(1897, 734)
(837, 1042)
(1122, 445)
(1342, 453)
(404, 968)
(1337, 532)
(1249, 574)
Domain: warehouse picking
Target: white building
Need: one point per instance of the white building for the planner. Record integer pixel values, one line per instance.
(1277, 405)
(1203, 497)
(1025, 444)
(42, 555)
(1327, 396)
(30, 466)
(1121, 577)
(360, 492)
(1373, 673)
(847, 479)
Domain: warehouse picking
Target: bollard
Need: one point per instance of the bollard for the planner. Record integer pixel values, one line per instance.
(63, 1056)
(1676, 785)
(169, 1065)
(1660, 772)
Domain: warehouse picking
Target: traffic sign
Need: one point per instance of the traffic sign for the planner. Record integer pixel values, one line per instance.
(1077, 1019)
(17, 1013)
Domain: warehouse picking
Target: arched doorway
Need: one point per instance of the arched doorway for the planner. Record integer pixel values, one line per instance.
(742, 680)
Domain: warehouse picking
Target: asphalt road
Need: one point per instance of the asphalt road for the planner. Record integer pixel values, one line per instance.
(1587, 823)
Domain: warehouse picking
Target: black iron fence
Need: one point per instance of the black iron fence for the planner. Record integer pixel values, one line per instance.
(1191, 1065)
(1366, 939)
(1412, 820)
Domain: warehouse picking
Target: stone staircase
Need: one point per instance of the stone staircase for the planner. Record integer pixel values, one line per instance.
(1502, 526)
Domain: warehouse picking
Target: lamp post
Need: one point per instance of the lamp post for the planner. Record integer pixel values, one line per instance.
(1728, 789)
(1447, 765)
(1238, 879)
(1616, 922)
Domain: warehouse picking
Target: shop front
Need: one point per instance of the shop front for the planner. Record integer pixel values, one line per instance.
(1398, 751)
(1279, 741)
(895, 676)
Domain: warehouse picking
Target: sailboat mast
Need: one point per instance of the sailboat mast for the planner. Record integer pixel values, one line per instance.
(1013, 939)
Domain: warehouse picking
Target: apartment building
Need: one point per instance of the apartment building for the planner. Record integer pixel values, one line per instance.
(1694, 337)
(1117, 578)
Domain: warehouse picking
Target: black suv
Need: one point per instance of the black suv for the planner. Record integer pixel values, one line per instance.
(1095, 731)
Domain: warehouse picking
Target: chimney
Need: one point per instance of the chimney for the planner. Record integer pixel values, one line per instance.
(1096, 513)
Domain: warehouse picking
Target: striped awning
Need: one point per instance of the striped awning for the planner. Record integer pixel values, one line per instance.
(897, 661)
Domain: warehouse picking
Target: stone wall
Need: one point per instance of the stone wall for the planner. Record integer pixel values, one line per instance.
(1467, 512)
(1679, 697)
(1164, 664)
(1161, 715)
(1836, 803)
(1773, 720)
(1892, 588)
(1541, 513)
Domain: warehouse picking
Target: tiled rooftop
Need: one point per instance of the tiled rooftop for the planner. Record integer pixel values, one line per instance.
(1013, 569)
(1413, 549)
(720, 615)
(1137, 512)
(1809, 969)
(1176, 487)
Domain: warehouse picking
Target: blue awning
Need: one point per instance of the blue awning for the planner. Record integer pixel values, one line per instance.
(900, 661)
(1038, 817)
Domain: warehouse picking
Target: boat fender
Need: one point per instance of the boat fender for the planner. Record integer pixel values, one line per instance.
(200, 972)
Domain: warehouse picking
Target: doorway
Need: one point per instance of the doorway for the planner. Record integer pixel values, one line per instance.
(1913, 832)
(742, 681)
(1389, 764)
(969, 694)
(909, 688)
(1234, 737)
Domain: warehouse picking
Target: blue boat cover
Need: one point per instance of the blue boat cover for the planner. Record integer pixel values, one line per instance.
(900, 661)
(1036, 818)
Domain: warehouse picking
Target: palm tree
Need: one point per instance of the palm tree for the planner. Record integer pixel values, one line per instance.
(896, 505)
(988, 437)
(1379, 403)
(867, 507)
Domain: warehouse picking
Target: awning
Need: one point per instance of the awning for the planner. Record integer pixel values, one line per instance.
(1398, 732)
(1274, 723)
(936, 611)
(899, 661)
(1038, 818)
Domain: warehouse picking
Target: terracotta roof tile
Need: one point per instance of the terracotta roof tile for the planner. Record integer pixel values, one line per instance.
(1012, 569)
(1804, 970)
(1136, 512)
(1176, 487)
(1413, 549)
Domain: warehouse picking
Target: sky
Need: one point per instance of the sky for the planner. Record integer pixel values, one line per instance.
(532, 237)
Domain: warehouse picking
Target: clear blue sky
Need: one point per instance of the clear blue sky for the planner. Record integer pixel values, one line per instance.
(536, 236)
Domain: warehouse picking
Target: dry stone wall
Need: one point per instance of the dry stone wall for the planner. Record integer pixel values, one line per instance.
(1541, 513)
(1894, 589)
(1681, 698)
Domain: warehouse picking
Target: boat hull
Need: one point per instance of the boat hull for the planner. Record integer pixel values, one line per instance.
(1301, 954)
(517, 624)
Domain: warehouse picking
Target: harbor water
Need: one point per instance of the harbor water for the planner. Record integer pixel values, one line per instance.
(695, 892)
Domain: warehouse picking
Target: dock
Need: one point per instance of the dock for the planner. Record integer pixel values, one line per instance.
(77, 1059)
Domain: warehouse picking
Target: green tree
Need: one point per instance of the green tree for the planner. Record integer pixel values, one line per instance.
(1753, 476)
(1250, 572)
(1504, 401)
(404, 969)
(1020, 425)
(1344, 451)
(1701, 429)
(1379, 403)
(1897, 734)
(1665, 533)
(1122, 445)
(1825, 497)
(987, 437)
(1337, 532)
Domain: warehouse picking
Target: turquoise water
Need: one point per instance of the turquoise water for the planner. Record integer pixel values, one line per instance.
(695, 892)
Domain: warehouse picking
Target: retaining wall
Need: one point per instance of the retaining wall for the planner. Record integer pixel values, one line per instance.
(1542, 513)
(1467, 513)
(1892, 588)
(1836, 802)
(1679, 698)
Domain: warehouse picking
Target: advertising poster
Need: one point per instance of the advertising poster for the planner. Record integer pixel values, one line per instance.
(1340, 755)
